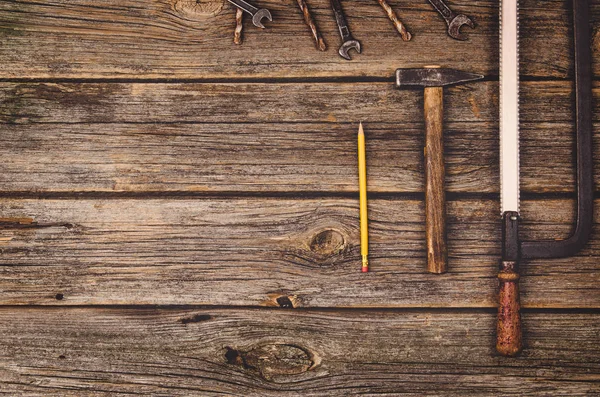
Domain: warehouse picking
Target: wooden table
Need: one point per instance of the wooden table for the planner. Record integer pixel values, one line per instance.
(179, 215)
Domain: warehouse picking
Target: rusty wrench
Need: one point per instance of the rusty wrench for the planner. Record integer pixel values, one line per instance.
(455, 21)
(257, 14)
(348, 42)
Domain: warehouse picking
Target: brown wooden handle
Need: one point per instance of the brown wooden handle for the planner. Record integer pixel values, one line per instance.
(435, 195)
(509, 340)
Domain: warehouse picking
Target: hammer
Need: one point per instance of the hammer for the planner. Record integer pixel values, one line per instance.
(433, 79)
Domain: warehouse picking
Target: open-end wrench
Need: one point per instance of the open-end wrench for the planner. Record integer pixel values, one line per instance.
(257, 14)
(454, 21)
(348, 41)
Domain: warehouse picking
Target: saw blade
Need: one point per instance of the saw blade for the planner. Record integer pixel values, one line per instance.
(509, 105)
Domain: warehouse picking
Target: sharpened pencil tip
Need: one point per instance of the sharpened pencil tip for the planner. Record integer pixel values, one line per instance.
(360, 129)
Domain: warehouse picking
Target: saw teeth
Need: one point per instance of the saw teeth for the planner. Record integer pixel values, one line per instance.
(518, 104)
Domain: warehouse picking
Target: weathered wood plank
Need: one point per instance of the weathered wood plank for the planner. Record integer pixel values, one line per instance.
(316, 157)
(253, 251)
(22, 103)
(193, 39)
(85, 352)
(248, 137)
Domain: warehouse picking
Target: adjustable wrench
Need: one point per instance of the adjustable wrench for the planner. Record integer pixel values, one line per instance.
(257, 14)
(348, 41)
(454, 21)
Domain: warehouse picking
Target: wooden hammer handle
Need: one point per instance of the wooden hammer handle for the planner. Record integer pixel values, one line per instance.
(435, 195)
(509, 340)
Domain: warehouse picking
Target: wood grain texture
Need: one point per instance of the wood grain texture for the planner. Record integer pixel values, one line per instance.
(216, 174)
(192, 39)
(210, 352)
(249, 138)
(23, 103)
(83, 103)
(252, 251)
(435, 186)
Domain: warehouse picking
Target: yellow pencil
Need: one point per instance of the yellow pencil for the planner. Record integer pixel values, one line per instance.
(362, 181)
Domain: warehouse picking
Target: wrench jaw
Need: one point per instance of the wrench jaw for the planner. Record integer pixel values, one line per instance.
(259, 15)
(347, 46)
(457, 23)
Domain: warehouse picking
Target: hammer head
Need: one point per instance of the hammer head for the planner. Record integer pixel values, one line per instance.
(432, 77)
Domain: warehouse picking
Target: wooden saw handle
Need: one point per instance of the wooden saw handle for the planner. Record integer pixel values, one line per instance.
(509, 340)
(435, 195)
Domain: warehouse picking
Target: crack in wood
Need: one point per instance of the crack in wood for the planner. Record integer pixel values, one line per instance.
(197, 318)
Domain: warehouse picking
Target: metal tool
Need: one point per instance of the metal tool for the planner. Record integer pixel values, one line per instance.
(308, 19)
(257, 14)
(509, 334)
(404, 33)
(348, 42)
(434, 79)
(239, 26)
(453, 20)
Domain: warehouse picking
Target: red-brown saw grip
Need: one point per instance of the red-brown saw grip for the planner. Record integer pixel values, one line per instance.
(509, 334)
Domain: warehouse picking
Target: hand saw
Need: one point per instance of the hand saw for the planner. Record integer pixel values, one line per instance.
(509, 339)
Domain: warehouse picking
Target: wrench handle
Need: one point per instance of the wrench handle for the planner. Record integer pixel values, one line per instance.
(435, 195)
(509, 340)
(244, 6)
(340, 19)
(444, 10)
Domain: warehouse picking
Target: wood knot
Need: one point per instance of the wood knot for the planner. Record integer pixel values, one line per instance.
(197, 318)
(282, 300)
(195, 9)
(328, 243)
(285, 302)
(272, 362)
